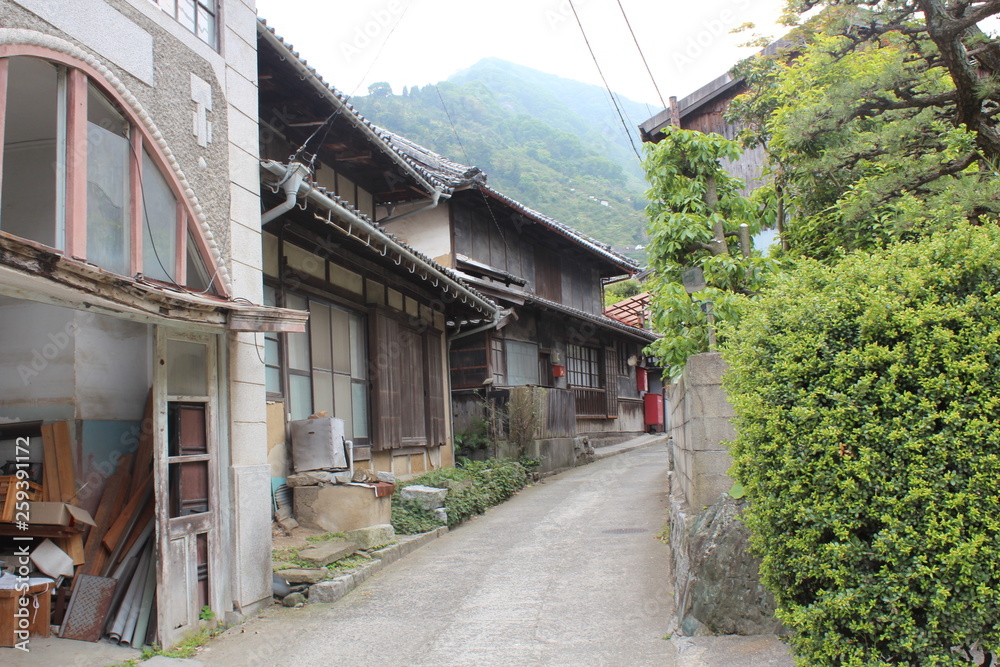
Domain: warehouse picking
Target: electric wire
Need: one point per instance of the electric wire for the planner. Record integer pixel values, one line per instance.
(328, 123)
(593, 56)
(454, 130)
(641, 54)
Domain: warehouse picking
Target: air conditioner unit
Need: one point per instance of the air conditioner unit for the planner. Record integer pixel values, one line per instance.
(319, 444)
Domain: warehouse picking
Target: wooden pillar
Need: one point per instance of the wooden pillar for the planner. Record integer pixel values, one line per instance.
(76, 164)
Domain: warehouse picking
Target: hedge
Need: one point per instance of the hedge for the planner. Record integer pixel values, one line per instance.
(868, 411)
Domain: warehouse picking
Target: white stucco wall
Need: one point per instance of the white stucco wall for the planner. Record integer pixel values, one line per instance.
(428, 231)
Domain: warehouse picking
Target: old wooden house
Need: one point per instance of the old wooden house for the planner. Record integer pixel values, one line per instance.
(547, 278)
(375, 353)
(704, 111)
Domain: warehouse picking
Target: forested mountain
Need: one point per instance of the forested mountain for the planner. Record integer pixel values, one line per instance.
(553, 144)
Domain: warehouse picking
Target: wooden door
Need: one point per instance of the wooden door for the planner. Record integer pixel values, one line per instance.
(186, 481)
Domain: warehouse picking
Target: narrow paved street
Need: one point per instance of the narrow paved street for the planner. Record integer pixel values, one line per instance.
(569, 572)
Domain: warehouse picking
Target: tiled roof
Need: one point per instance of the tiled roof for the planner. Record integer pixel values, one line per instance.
(601, 320)
(331, 202)
(429, 177)
(459, 176)
(439, 172)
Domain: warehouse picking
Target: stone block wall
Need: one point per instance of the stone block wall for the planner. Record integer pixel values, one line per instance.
(716, 583)
(700, 425)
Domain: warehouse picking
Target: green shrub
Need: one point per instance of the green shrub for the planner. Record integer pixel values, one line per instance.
(868, 403)
(472, 489)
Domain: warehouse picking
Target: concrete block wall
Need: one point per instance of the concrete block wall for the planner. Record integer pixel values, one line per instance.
(700, 425)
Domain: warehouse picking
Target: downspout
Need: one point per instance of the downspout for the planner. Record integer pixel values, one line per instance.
(435, 200)
(291, 182)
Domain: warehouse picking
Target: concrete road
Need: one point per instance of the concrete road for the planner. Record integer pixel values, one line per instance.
(568, 572)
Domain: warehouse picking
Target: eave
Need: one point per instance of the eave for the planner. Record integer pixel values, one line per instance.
(32, 271)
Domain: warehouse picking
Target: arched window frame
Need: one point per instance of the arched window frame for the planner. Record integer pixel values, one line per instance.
(80, 74)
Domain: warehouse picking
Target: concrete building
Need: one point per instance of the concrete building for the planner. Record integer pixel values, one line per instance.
(130, 263)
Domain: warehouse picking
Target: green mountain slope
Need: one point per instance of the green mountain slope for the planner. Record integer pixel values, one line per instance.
(541, 139)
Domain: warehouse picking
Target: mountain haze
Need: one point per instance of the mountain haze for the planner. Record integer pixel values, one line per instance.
(553, 144)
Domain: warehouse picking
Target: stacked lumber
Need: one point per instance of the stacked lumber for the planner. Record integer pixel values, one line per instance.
(120, 548)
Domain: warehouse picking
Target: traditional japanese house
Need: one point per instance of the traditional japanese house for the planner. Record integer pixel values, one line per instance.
(375, 353)
(547, 278)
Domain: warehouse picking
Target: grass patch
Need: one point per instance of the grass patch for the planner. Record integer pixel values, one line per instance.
(327, 537)
(472, 489)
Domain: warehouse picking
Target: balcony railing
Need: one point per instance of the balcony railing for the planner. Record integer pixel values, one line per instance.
(590, 402)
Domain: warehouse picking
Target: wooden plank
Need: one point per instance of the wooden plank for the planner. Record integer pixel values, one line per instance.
(144, 451)
(50, 466)
(64, 452)
(116, 490)
(140, 525)
(128, 514)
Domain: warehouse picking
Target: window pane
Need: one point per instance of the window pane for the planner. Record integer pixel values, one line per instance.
(341, 332)
(272, 380)
(360, 400)
(31, 136)
(299, 396)
(159, 229)
(319, 336)
(342, 403)
(198, 277)
(108, 152)
(359, 365)
(522, 363)
(323, 393)
(186, 368)
(270, 296)
(206, 26)
(298, 343)
(186, 14)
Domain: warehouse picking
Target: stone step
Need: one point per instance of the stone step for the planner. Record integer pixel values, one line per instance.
(324, 553)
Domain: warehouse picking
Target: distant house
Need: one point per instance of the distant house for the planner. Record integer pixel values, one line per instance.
(547, 278)
(375, 353)
(703, 111)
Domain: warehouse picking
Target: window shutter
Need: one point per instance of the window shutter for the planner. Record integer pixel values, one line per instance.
(386, 380)
(611, 381)
(436, 405)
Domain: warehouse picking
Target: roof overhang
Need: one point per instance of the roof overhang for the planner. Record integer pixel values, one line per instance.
(348, 221)
(35, 272)
(604, 322)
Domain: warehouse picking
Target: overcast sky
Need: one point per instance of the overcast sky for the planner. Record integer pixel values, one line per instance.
(416, 42)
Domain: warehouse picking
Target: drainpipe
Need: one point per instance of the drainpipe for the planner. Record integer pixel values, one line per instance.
(291, 182)
(462, 334)
(435, 200)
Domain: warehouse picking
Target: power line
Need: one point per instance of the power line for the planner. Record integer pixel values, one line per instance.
(621, 117)
(328, 123)
(454, 130)
(641, 55)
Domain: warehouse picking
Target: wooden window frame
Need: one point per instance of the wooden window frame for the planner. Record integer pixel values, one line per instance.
(588, 368)
(80, 75)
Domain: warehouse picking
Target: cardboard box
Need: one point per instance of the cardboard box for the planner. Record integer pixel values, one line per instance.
(59, 514)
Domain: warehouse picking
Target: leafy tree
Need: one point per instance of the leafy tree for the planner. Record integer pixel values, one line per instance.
(866, 396)
(621, 290)
(380, 89)
(695, 216)
(879, 120)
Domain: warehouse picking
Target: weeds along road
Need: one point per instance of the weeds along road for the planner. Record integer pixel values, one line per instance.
(568, 572)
